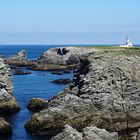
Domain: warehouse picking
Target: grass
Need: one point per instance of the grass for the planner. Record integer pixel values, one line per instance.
(118, 51)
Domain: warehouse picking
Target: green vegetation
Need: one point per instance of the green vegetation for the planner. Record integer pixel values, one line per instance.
(118, 51)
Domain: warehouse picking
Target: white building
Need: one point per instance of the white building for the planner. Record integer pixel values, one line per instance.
(128, 43)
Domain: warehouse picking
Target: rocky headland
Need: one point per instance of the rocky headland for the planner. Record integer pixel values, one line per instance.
(55, 59)
(105, 92)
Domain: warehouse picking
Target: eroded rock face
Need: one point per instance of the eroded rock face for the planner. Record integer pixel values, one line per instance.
(105, 92)
(8, 103)
(88, 133)
(5, 127)
(63, 56)
(68, 133)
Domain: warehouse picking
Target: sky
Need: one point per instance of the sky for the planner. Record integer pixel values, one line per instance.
(69, 21)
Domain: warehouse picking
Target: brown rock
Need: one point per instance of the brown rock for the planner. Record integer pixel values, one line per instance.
(5, 127)
(37, 104)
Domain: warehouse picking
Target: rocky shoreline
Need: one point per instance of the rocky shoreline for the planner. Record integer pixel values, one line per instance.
(8, 102)
(104, 94)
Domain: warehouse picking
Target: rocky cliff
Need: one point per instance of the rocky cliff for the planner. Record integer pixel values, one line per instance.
(8, 103)
(105, 92)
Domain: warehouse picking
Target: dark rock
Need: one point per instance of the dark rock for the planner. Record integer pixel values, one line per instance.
(47, 67)
(5, 127)
(56, 72)
(62, 81)
(37, 104)
(20, 72)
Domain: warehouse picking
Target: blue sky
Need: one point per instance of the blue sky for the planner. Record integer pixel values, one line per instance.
(69, 21)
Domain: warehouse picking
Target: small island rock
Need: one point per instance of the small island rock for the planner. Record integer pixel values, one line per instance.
(37, 104)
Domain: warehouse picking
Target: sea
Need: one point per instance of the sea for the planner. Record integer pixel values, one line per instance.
(36, 85)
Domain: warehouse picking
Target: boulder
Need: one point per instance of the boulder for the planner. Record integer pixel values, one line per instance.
(8, 103)
(37, 104)
(5, 127)
(104, 92)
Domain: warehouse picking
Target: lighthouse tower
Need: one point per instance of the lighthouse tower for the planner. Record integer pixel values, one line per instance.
(128, 43)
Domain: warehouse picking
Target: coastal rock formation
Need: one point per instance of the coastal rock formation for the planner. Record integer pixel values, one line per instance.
(21, 56)
(37, 104)
(63, 56)
(88, 133)
(105, 92)
(5, 127)
(20, 72)
(8, 103)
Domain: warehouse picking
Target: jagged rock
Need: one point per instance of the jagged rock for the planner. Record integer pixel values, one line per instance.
(88, 133)
(63, 56)
(37, 104)
(21, 56)
(68, 134)
(94, 133)
(7, 100)
(104, 92)
(5, 127)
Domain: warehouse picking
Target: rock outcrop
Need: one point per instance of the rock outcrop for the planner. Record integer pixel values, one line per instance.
(5, 127)
(20, 56)
(8, 103)
(88, 133)
(105, 92)
(37, 104)
(63, 56)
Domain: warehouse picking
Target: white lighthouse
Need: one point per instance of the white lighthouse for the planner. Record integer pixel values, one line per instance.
(128, 43)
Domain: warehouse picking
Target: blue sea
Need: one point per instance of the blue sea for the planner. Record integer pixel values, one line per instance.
(30, 86)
